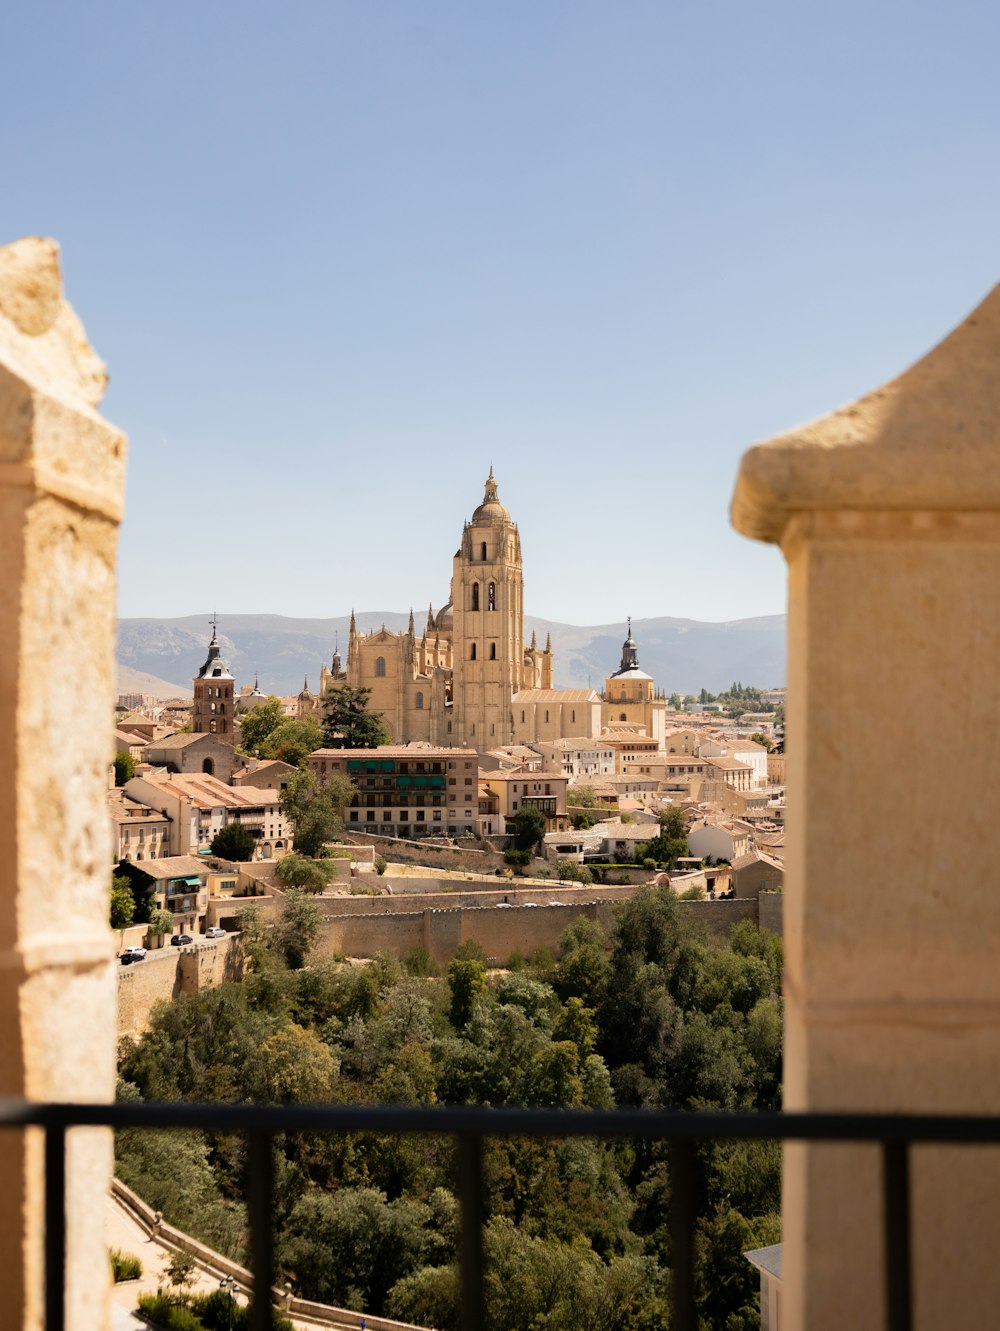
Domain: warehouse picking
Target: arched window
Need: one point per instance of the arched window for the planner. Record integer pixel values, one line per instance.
(493, 651)
(208, 766)
(483, 552)
(473, 655)
(212, 727)
(475, 596)
(419, 702)
(380, 666)
(212, 706)
(622, 717)
(546, 716)
(491, 599)
(572, 716)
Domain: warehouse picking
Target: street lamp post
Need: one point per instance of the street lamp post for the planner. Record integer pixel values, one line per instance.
(228, 1284)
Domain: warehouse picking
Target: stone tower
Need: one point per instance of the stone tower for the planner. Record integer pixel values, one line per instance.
(212, 713)
(488, 636)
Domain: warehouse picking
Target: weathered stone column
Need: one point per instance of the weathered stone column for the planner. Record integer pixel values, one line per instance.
(888, 513)
(61, 476)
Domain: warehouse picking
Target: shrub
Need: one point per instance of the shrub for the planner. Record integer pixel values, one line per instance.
(165, 1313)
(517, 858)
(160, 922)
(124, 1265)
(380, 865)
(418, 962)
(217, 1312)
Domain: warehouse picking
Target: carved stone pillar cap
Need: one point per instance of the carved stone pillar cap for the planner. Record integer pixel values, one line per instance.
(928, 440)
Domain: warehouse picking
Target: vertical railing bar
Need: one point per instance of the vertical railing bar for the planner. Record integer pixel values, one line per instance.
(896, 1201)
(682, 1224)
(260, 1200)
(470, 1191)
(55, 1228)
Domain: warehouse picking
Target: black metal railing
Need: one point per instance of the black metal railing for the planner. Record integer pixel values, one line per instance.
(469, 1125)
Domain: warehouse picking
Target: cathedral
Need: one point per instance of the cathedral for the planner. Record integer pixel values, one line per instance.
(470, 680)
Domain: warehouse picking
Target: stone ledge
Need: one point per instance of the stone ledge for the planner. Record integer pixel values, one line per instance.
(926, 440)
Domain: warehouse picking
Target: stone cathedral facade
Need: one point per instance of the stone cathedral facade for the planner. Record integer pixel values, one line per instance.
(463, 680)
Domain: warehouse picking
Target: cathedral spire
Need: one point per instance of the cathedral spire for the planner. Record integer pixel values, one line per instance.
(548, 643)
(354, 627)
(410, 629)
(630, 653)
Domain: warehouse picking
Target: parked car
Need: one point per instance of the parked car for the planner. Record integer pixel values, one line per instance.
(130, 954)
(213, 931)
(181, 940)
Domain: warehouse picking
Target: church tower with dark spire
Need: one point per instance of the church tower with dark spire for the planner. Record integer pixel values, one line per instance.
(212, 712)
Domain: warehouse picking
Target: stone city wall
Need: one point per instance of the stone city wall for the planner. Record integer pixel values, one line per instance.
(470, 896)
(170, 971)
(770, 909)
(500, 930)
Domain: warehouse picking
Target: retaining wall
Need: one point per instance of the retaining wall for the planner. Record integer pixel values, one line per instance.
(168, 972)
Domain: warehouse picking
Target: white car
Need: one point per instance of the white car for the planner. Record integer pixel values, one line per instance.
(213, 931)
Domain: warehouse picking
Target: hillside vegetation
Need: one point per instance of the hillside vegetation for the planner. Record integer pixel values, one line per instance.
(577, 1232)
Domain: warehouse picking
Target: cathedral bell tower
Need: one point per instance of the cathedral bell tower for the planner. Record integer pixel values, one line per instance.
(488, 643)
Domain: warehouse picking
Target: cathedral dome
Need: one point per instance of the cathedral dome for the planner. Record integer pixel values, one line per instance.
(446, 616)
(490, 512)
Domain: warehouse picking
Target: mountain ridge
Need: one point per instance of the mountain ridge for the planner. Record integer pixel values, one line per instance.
(682, 655)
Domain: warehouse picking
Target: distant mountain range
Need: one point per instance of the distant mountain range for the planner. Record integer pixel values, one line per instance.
(681, 654)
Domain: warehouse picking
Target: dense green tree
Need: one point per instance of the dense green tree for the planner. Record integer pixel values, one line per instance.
(302, 871)
(350, 1247)
(292, 740)
(347, 722)
(316, 808)
(298, 928)
(124, 768)
(526, 827)
(234, 842)
(258, 722)
(576, 1022)
(670, 843)
(299, 1066)
(122, 902)
(466, 980)
(577, 1228)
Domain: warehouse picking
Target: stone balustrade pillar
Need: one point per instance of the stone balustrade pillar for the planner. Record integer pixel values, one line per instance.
(888, 513)
(61, 479)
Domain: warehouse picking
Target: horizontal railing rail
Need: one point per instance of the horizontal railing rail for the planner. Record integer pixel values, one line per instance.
(469, 1125)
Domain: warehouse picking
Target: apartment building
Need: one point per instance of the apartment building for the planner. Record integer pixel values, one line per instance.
(407, 790)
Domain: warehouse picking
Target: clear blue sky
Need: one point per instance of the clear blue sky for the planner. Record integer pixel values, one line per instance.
(340, 257)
